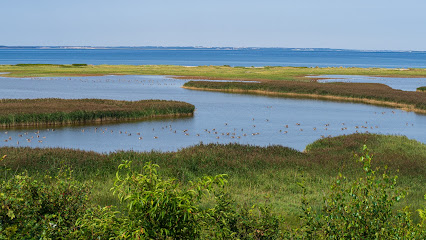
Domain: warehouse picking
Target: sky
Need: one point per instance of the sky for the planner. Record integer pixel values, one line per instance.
(347, 24)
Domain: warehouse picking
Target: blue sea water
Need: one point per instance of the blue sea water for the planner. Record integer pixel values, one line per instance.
(190, 56)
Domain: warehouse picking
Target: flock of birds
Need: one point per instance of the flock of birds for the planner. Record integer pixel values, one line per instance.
(224, 131)
(27, 137)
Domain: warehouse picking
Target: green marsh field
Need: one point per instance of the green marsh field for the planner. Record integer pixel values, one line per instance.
(209, 72)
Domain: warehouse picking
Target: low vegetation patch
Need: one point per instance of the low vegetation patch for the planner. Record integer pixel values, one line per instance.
(19, 112)
(365, 92)
(421, 89)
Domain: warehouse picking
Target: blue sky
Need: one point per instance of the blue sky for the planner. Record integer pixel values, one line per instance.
(360, 24)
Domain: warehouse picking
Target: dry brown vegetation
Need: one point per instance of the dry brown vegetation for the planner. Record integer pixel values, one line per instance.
(368, 92)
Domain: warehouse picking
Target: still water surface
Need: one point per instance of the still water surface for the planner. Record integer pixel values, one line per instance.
(219, 117)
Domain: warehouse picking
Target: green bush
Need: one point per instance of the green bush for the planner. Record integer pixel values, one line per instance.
(230, 221)
(41, 209)
(361, 209)
(422, 213)
(100, 223)
(158, 208)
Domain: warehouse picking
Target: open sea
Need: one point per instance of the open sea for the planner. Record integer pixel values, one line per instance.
(191, 56)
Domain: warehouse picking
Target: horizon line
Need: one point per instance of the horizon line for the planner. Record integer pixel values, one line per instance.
(202, 47)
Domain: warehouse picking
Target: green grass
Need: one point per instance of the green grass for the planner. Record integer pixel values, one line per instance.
(254, 173)
(211, 72)
(19, 112)
(421, 89)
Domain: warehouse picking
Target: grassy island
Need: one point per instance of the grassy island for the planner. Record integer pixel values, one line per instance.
(370, 93)
(53, 111)
(256, 175)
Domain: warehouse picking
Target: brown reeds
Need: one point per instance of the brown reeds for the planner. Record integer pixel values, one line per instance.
(20, 112)
(373, 93)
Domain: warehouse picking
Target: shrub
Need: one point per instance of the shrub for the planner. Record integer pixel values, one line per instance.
(361, 209)
(100, 223)
(39, 209)
(230, 221)
(158, 208)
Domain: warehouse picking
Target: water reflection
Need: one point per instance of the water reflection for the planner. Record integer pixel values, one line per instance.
(219, 117)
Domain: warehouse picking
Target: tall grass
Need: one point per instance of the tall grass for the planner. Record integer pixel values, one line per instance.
(256, 174)
(15, 112)
(354, 91)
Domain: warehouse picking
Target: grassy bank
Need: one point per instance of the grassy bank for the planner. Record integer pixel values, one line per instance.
(210, 72)
(421, 89)
(371, 93)
(255, 174)
(26, 112)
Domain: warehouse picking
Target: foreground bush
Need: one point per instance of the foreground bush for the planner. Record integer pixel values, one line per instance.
(31, 209)
(157, 208)
(362, 209)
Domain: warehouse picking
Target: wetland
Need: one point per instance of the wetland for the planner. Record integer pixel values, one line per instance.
(266, 144)
(218, 117)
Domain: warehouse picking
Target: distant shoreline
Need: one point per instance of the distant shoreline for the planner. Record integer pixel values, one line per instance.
(207, 48)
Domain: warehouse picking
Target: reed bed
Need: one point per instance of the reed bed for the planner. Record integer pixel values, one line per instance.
(52, 111)
(254, 173)
(369, 92)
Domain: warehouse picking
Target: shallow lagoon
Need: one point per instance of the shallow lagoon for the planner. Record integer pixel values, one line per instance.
(219, 117)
